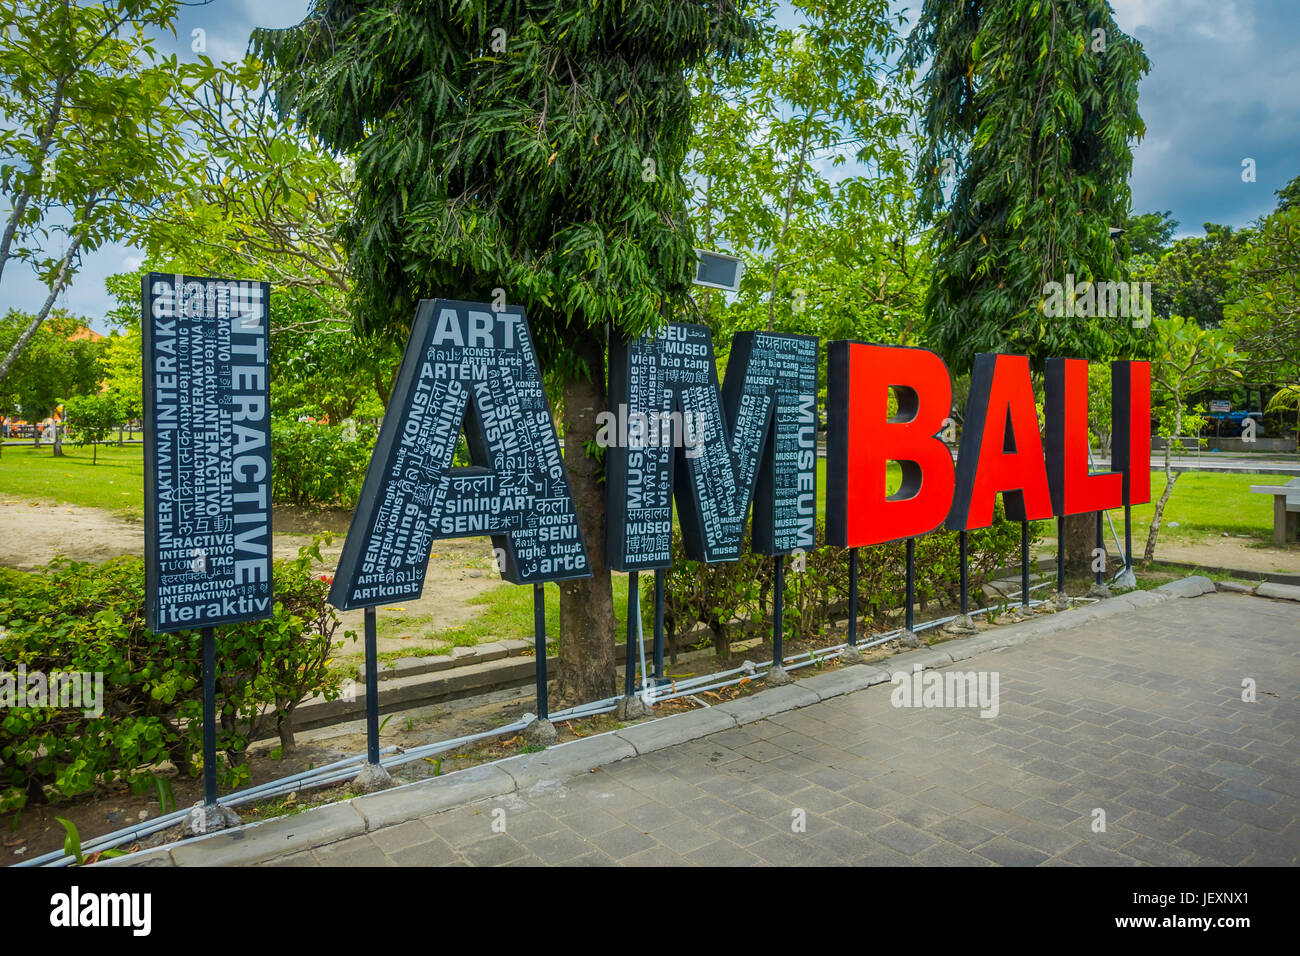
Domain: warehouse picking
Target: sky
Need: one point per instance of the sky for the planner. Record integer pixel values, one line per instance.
(1223, 89)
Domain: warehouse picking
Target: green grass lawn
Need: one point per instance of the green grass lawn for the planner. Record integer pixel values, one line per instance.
(1204, 504)
(114, 483)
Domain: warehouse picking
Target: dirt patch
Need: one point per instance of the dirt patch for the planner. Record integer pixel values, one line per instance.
(1237, 553)
(34, 532)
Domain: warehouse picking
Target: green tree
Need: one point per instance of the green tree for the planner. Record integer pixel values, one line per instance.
(266, 198)
(1148, 236)
(1193, 278)
(1262, 315)
(89, 141)
(90, 418)
(1189, 359)
(123, 371)
(1033, 105)
(799, 164)
(54, 366)
(1288, 197)
(537, 150)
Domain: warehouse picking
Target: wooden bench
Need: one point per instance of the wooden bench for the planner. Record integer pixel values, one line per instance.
(1286, 509)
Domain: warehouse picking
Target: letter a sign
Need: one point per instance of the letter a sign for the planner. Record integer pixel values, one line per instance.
(468, 365)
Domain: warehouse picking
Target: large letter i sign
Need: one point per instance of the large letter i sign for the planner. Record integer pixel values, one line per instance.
(465, 364)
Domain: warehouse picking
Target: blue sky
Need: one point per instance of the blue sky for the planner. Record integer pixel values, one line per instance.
(1223, 87)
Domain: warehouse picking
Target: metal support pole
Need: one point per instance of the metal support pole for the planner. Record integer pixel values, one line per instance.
(962, 548)
(629, 674)
(539, 632)
(1060, 555)
(209, 717)
(1128, 537)
(778, 608)
(372, 689)
(911, 584)
(1100, 547)
(1024, 564)
(853, 597)
(659, 624)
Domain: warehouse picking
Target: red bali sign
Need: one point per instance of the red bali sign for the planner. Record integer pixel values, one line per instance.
(1001, 450)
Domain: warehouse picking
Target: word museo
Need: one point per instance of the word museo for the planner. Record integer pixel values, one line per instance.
(721, 453)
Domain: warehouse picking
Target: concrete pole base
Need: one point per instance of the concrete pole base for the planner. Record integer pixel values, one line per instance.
(371, 778)
(850, 655)
(961, 624)
(1061, 601)
(909, 638)
(541, 733)
(1100, 591)
(1126, 580)
(777, 677)
(204, 819)
(630, 708)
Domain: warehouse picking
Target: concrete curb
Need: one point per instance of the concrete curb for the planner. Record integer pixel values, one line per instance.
(260, 842)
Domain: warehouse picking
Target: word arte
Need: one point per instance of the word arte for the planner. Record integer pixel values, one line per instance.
(753, 450)
(947, 689)
(75, 690)
(77, 909)
(207, 451)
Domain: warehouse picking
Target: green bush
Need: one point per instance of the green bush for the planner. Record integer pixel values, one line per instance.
(316, 464)
(72, 616)
(737, 596)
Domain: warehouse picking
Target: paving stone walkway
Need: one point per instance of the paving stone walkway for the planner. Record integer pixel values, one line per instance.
(1140, 716)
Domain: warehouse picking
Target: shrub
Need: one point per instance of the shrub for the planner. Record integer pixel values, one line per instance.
(317, 464)
(737, 595)
(73, 616)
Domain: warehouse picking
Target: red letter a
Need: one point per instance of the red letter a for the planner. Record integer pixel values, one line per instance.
(1001, 450)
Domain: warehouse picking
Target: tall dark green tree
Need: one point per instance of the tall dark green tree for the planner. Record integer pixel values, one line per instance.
(1029, 119)
(532, 147)
(1031, 106)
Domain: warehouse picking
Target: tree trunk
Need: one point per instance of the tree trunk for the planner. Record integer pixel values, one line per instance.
(1080, 539)
(284, 727)
(721, 639)
(1149, 554)
(58, 440)
(60, 280)
(1171, 476)
(587, 623)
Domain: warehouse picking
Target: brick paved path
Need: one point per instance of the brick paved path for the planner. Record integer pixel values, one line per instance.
(1140, 716)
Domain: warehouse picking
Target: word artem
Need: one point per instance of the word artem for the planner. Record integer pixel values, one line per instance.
(75, 909)
(72, 689)
(946, 689)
